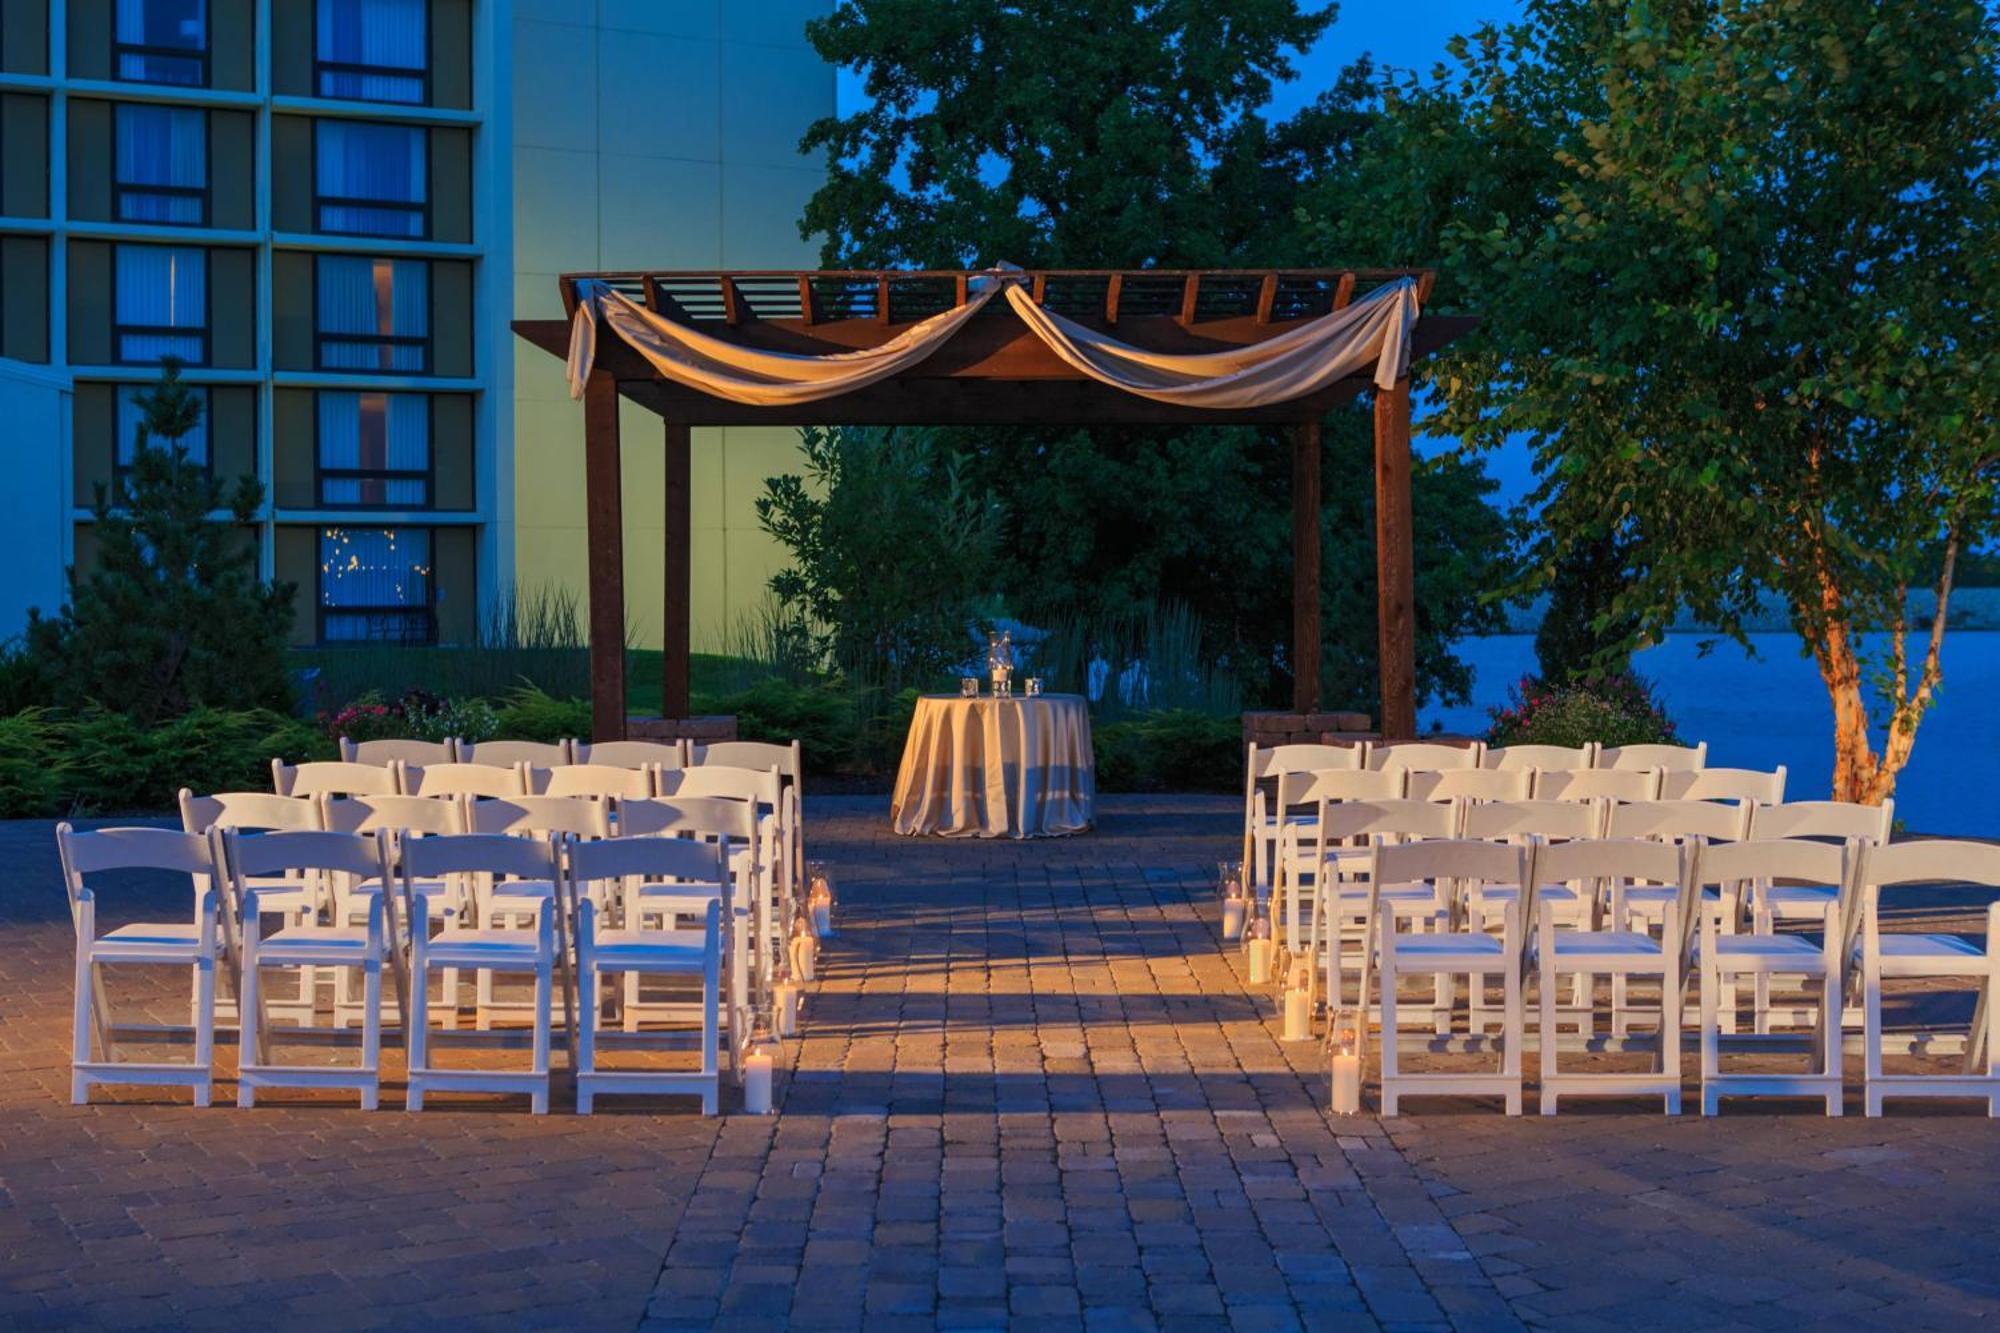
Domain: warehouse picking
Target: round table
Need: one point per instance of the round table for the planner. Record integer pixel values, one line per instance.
(987, 767)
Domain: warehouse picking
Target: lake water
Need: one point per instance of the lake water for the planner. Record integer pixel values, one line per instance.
(1772, 709)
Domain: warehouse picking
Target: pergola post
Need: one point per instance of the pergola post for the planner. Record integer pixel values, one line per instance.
(605, 526)
(1305, 567)
(677, 609)
(1395, 563)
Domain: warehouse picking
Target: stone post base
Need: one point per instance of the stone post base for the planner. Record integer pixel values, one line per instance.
(1268, 729)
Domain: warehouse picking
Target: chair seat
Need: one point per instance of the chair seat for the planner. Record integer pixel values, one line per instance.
(1793, 902)
(1928, 956)
(1448, 944)
(1614, 945)
(482, 947)
(313, 944)
(681, 950)
(149, 941)
(1758, 953)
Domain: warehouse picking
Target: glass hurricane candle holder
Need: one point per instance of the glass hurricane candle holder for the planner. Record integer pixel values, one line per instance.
(1234, 908)
(819, 897)
(1261, 949)
(1298, 1002)
(1344, 1040)
(758, 1068)
(968, 687)
(1034, 686)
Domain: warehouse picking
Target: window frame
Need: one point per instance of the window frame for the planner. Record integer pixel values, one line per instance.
(119, 187)
(323, 66)
(321, 202)
(378, 340)
(322, 474)
(428, 610)
(119, 470)
(206, 332)
(199, 54)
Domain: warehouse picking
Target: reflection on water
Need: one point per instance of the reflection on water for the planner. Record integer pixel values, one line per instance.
(1772, 709)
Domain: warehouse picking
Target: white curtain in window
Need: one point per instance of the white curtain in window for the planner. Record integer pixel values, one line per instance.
(362, 161)
(171, 24)
(161, 288)
(161, 146)
(195, 442)
(375, 433)
(377, 299)
(389, 37)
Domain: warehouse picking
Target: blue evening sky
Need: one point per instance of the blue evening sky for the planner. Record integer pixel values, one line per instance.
(1410, 34)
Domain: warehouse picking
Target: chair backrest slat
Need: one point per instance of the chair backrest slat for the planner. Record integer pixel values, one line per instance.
(1540, 756)
(455, 779)
(1593, 784)
(1797, 859)
(135, 849)
(248, 810)
(1424, 754)
(1667, 758)
(1450, 858)
(542, 754)
(424, 815)
(1340, 784)
(674, 858)
(743, 784)
(331, 778)
(630, 754)
(786, 759)
(356, 854)
(1341, 821)
(475, 853)
(595, 781)
(1933, 860)
(1470, 784)
(386, 752)
(1823, 819)
(1726, 784)
(1680, 819)
(700, 816)
(1553, 821)
(541, 816)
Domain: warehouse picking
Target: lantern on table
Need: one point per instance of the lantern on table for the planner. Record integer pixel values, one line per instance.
(1000, 662)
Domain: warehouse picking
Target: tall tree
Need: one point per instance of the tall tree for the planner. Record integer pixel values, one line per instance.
(171, 615)
(1737, 259)
(1117, 134)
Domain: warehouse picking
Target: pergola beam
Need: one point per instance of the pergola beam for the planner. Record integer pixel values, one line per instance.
(605, 528)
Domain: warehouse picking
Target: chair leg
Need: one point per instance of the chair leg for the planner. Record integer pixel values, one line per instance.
(1385, 981)
(371, 1032)
(710, 1065)
(250, 1006)
(1871, 1026)
(1670, 1016)
(586, 1032)
(417, 1028)
(79, 1085)
(1513, 1028)
(1549, 980)
(538, 1100)
(204, 1030)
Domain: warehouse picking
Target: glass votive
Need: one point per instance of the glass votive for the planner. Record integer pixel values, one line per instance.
(1034, 686)
(968, 687)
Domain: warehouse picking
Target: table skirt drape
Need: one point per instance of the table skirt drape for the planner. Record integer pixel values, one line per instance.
(1018, 767)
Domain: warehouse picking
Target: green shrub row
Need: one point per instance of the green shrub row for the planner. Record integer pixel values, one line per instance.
(55, 763)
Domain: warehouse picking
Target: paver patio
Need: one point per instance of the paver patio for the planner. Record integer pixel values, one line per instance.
(1033, 1089)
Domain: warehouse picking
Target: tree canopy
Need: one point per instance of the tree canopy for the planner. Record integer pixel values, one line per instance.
(1737, 257)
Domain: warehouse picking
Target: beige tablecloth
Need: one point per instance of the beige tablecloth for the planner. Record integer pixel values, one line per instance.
(997, 768)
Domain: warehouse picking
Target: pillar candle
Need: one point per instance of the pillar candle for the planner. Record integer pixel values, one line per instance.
(1232, 919)
(757, 1080)
(1298, 1014)
(786, 1001)
(1260, 961)
(1346, 1082)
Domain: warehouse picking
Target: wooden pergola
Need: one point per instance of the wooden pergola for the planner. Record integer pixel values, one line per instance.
(993, 371)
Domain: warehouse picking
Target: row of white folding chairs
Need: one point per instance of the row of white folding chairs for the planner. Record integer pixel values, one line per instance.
(1689, 939)
(387, 872)
(727, 816)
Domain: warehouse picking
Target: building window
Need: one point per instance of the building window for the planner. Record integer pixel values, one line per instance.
(130, 414)
(162, 164)
(374, 314)
(374, 50)
(375, 585)
(162, 41)
(161, 299)
(370, 179)
(374, 450)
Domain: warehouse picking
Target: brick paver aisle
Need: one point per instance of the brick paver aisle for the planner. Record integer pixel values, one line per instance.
(1032, 1091)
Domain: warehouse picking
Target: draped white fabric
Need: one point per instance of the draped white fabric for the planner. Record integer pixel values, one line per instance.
(161, 146)
(376, 49)
(366, 305)
(161, 289)
(362, 163)
(1372, 332)
(747, 374)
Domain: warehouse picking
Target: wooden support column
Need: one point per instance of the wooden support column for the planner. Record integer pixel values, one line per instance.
(678, 603)
(605, 520)
(1305, 567)
(1395, 563)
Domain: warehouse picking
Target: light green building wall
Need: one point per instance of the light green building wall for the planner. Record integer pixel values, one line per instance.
(633, 150)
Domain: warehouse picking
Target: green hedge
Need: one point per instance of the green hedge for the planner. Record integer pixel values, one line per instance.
(56, 764)
(1171, 750)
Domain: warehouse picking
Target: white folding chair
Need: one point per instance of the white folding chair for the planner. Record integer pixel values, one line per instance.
(1474, 786)
(386, 752)
(1424, 754)
(485, 856)
(517, 903)
(1677, 821)
(453, 780)
(298, 900)
(1666, 758)
(1725, 784)
(331, 778)
(668, 755)
(1540, 756)
(1617, 951)
(765, 790)
(394, 818)
(356, 861)
(597, 871)
(1892, 956)
(1722, 958)
(748, 847)
(1475, 953)
(505, 754)
(192, 943)
(1524, 824)
(1340, 908)
(789, 760)
(1598, 784)
(1302, 859)
(1838, 820)
(1263, 766)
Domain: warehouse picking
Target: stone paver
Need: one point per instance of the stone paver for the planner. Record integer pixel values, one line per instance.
(1033, 1091)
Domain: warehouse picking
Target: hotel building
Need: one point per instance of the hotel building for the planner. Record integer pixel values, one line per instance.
(329, 210)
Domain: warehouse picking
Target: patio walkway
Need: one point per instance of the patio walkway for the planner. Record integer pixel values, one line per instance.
(1033, 1089)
